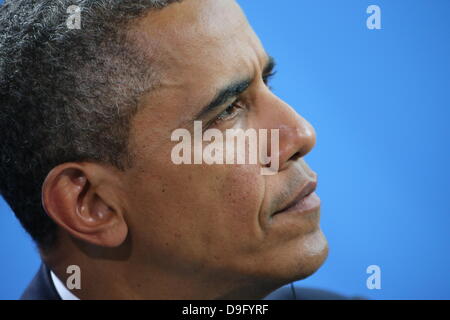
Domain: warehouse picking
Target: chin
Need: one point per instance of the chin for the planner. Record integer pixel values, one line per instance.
(314, 252)
(301, 259)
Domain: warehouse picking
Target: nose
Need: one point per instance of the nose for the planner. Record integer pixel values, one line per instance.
(296, 135)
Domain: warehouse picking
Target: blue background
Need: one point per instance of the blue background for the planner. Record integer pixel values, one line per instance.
(379, 100)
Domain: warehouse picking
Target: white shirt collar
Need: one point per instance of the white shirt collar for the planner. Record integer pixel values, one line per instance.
(63, 292)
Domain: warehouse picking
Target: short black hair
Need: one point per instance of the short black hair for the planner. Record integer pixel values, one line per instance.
(65, 94)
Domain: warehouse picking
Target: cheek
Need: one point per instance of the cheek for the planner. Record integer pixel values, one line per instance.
(242, 194)
(230, 217)
(236, 232)
(196, 211)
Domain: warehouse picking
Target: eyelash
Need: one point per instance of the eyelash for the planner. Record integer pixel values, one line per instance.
(268, 77)
(235, 104)
(221, 117)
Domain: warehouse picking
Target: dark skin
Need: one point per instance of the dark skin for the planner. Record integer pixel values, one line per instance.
(162, 231)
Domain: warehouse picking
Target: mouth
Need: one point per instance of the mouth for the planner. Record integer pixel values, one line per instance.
(306, 201)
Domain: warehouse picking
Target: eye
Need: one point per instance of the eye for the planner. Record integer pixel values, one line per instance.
(229, 113)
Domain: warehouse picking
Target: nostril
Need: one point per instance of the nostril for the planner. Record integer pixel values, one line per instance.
(295, 156)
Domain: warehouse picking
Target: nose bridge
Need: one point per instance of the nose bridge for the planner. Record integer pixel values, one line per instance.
(296, 135)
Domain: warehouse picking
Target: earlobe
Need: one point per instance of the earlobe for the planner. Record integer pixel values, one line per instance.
(71, 197)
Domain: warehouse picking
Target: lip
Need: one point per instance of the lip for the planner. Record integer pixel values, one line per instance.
(304, 202)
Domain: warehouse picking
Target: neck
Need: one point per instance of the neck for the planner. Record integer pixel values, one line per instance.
(122, 281)
(118, 276)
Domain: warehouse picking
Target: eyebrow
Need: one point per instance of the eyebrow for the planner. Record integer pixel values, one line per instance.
(234, 89)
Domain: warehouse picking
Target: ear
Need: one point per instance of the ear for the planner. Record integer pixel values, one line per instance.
(83, 199)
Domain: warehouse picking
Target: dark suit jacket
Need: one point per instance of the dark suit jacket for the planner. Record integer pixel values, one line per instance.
(42, 288)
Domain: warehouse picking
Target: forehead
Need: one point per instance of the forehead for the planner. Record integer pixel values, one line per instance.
(200, 45)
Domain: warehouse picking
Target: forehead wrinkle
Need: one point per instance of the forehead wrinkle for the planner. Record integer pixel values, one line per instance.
(173, 41)
(190, 32)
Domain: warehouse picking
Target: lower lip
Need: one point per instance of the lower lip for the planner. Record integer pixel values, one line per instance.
(309, 204)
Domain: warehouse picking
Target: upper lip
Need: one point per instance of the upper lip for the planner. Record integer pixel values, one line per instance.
(305, 191)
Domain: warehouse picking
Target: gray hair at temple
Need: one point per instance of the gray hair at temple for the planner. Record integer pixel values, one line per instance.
(65, 94)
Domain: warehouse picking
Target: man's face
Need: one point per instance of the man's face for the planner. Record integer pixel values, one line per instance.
(216, 221)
